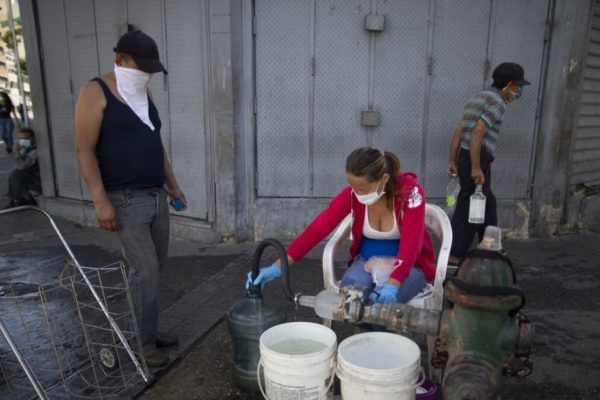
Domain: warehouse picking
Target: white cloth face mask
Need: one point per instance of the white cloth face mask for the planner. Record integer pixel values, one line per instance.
(25, 143)
(132, 85)
(370, 198)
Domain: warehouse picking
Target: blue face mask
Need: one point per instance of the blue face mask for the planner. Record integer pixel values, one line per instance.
(519, 93)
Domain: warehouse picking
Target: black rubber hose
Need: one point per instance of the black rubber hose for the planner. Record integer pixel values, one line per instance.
(285, 273)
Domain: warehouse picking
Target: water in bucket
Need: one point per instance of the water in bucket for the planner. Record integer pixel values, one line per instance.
(298, 360)
(298, 346)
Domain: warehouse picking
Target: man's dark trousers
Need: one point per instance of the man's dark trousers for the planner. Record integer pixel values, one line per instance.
(22, 180)
(464, 232)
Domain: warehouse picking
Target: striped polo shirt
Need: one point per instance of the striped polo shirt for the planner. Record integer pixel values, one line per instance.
(489, 107)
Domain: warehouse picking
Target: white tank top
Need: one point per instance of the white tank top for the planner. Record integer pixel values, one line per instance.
(371, 233)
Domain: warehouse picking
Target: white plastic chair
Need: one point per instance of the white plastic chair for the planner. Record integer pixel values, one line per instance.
(431, 297)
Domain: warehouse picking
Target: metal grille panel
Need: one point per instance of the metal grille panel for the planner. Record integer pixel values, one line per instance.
(186, 102)
(341, 89)
(400, 69)
(110, 23)
(91, 29)
(282, 88)
(585, 165)
(53, 37)
(460, 37)
(83, 59)
(525, 45)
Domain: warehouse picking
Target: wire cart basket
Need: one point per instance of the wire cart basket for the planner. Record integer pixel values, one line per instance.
(67, 331)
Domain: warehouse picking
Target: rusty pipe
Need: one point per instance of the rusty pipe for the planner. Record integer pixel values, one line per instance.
(396, 317)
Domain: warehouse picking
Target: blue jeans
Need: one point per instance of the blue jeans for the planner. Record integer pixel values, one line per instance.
(144, 219)
(356, 275)
(6, 132)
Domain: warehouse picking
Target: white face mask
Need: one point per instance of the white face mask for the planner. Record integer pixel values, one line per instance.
(132, 85)
(25, 143)
(370, 198)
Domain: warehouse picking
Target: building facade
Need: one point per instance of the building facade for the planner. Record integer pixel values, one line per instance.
(265, 98)
(9, 77)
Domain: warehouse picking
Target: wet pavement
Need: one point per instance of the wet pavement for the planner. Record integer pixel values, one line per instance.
(560, 276)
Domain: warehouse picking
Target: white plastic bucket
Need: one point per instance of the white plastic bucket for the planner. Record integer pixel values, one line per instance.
(297, 376)
(378, 366)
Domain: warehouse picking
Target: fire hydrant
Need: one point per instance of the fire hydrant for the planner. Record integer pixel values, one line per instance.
(481, 336)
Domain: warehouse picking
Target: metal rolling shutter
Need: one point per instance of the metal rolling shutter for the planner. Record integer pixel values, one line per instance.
(585, 166)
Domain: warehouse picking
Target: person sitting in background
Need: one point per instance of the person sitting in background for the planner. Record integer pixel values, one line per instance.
(26, 175)
(388, 220)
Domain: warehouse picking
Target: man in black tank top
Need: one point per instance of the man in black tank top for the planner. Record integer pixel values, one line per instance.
(125, 167)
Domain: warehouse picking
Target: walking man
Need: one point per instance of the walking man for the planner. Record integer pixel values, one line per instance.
(472, 152)
(124, 165)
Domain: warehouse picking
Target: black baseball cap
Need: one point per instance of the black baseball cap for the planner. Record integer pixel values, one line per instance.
(510, 72)
(143, 49)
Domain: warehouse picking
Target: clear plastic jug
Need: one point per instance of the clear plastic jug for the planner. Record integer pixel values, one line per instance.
(477, 207)
(452, 190)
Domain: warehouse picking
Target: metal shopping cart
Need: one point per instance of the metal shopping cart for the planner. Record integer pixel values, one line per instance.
(67, 331)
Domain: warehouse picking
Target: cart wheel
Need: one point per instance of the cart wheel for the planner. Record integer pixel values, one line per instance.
(108, 358)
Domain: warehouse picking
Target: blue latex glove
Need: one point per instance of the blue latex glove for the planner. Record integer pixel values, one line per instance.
(265, 275)
(387, 294)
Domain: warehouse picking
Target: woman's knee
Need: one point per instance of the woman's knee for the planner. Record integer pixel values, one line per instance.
(412, 286)
(356, 275)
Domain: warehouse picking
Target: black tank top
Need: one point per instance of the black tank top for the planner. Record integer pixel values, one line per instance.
(130, 154)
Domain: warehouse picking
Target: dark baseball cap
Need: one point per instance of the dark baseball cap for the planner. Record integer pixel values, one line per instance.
(510, 72)
(143, 49)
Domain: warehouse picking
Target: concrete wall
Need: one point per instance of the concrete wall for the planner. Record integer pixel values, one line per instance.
(219, 40)
(563, 81)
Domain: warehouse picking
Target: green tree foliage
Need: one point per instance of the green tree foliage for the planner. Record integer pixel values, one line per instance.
(8, 39)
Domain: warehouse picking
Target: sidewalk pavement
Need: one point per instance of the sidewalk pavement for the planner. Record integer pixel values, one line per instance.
(560, 276)
(193, 276)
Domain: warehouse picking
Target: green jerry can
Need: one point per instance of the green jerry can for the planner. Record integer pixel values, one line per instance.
(249, 318)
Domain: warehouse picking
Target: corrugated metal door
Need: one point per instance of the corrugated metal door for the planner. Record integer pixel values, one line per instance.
(400, 74)
(518, 34)
(464, 55)
(282, 85)
(341, 90)
(317, 68)
(59, 93)
(460, 37)
(77, 39)
(177, 28)
(585, 165)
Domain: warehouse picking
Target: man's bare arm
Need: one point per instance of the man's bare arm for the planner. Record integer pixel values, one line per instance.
(172, 185)
(89, 112)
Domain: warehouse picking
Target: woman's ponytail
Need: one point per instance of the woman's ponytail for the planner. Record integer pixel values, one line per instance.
(392, 164)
